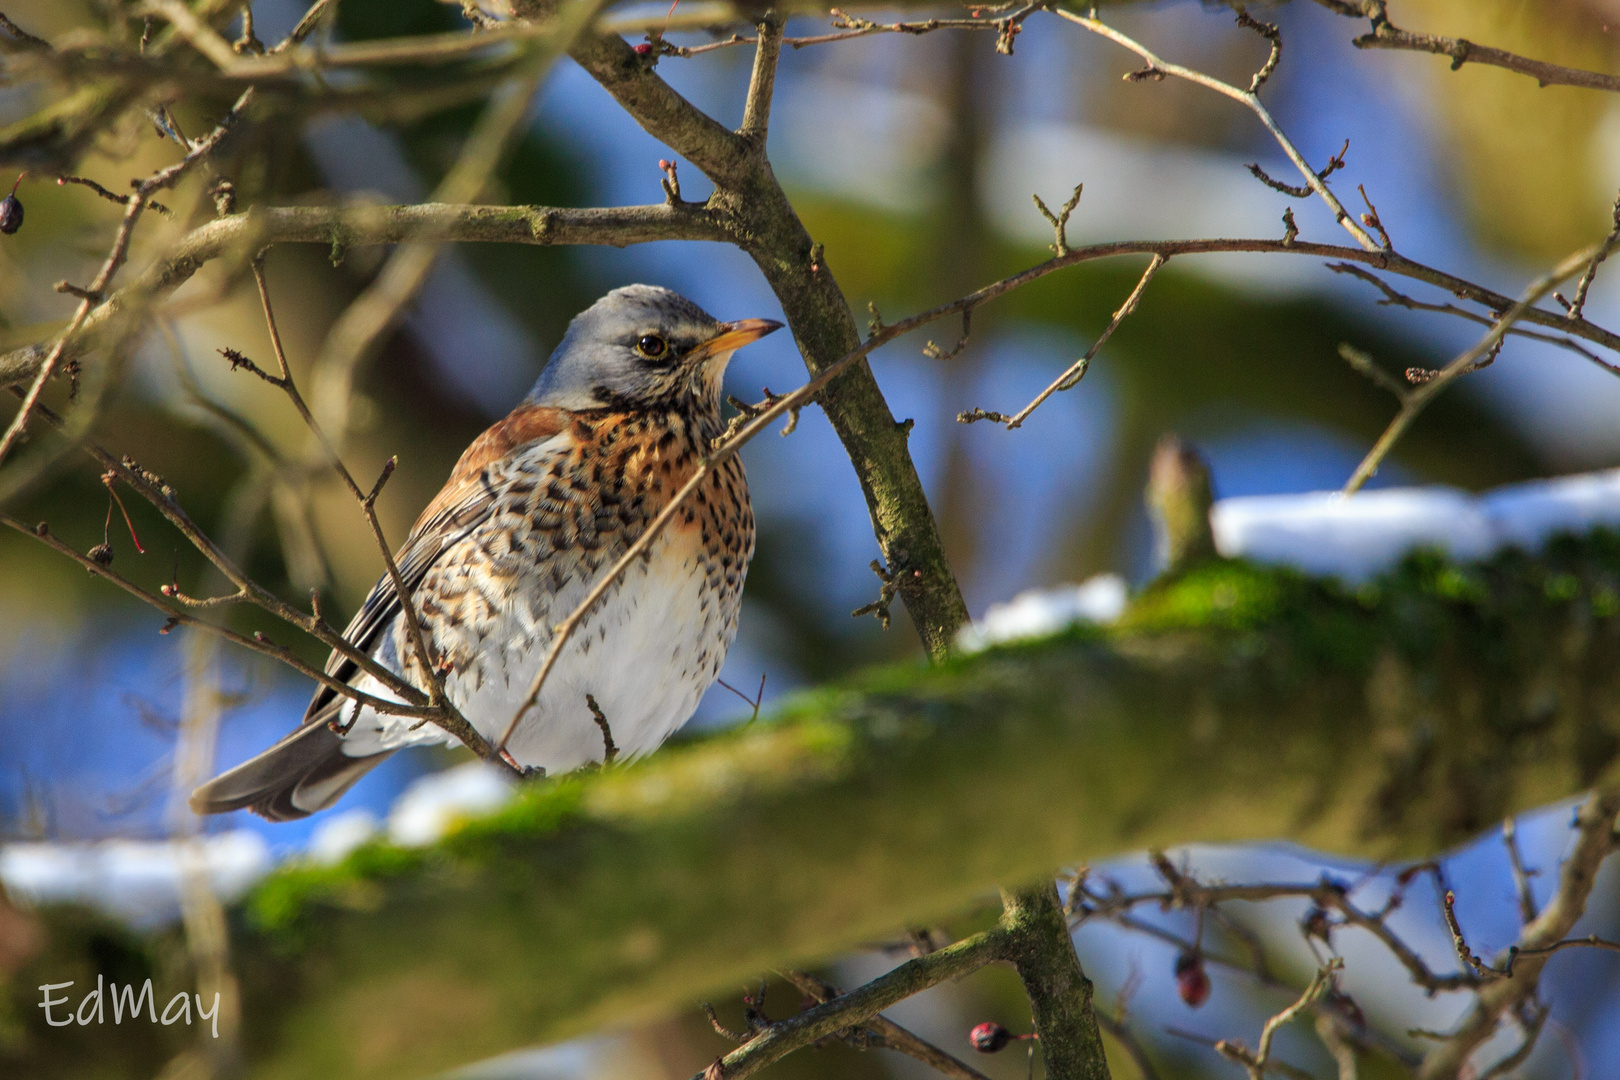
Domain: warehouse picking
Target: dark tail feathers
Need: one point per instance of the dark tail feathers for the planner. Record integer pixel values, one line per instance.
(305, 772)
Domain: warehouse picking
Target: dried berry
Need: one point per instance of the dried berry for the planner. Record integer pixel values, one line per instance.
(989, 1037)
(101, 555)
(11, 211)
(1316, 924)
(1192, 982)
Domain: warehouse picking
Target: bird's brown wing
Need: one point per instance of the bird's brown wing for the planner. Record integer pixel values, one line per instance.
(464, 503)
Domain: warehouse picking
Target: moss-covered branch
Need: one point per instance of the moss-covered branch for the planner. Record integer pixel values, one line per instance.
(1232, 704)
(1059, 993)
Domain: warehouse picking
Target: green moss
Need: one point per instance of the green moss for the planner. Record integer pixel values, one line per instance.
(1233, 702)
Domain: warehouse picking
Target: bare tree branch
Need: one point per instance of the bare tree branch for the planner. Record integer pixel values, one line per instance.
(1419, 399)
(894, 1036)
(1386, 35)
(1595, 840)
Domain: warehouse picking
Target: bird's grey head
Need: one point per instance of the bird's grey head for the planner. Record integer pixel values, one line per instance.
(643, 347)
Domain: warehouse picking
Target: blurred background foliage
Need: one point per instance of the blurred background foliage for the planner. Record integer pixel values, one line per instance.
(912, 160)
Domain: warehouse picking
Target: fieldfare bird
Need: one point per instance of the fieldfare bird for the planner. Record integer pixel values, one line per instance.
(537, 509)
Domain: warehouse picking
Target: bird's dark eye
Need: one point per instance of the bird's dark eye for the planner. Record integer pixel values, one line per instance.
(652, 346)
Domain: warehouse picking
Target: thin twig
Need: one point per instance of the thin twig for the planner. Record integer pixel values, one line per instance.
(1395, 298)
(1521, 876)
(610, 751)
(257, 643)
(1420, 398)
(1259, 1061)
(855, 1007)
(1448, 903)
(158, 181)
(1385, 35)
(1595, 839)
(1077, 370)
(620, 226)
(112, 196)
(894, 1036)
(1247, 98)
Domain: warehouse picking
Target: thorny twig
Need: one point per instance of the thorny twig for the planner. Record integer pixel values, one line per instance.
(1271, 34)
(1576, 306)
(110, 196)
(1327, 894)
(1516, 988)
(91, 296)
(747, 411)
(935, 352)
(256, 643)
(1448, 904)
(1395, 298)
(889, 584)
(162, 497)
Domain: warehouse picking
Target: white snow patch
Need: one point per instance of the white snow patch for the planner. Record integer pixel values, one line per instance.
(1528, 515)
(1357, 537)
(1039, 612)
(135, 880)
(1352, 538)
(336, 836)
(438, 802)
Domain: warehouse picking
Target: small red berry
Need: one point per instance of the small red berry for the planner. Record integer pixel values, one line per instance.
(1192, 983)
(644, 49)
(989, 1037)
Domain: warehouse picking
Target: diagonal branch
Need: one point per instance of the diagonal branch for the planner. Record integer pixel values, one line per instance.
(671, 119)
(1077, 370)
(258, 643)
(1386, 35)
(1247, 98)
(1418, 400)
(1595, 839)
(857, 1006)
(894, 1036)
(367, 501)
(762, 83)
(761, 221)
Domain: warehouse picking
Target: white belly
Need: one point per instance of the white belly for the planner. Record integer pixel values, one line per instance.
(647, 654)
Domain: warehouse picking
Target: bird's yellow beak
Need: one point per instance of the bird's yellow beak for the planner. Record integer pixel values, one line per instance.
(733, 336)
